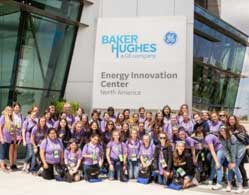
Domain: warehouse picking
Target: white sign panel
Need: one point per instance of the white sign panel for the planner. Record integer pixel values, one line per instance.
(140, 62)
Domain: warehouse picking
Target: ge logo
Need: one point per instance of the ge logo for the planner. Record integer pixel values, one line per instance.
(170, 38)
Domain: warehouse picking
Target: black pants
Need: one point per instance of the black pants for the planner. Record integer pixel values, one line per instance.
(243, 172)
(49, 172)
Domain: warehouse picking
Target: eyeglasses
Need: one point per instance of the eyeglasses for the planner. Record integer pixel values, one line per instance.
(221, 115)
(162, 138)
(110, 124)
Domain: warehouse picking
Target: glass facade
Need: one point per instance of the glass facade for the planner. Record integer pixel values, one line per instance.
(36, 50)
(219, 52)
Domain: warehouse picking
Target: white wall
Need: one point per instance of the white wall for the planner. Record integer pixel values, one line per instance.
(80, 80)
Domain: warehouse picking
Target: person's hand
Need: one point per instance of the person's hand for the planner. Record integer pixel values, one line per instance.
(2, 140)
(24, 143)
(231, 165)
(166, 173)
(35, 150)
(45, 166)
(195, 161)
(111, 167)
(217, 165)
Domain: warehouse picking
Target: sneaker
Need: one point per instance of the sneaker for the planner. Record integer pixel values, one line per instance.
(239, 191)
(217, 187)
(228, 189)
(208, 182)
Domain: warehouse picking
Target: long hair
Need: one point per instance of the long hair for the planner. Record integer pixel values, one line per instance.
(237, 125)
(227, 131)
(7, 119)
(167, 141)
(180, 113)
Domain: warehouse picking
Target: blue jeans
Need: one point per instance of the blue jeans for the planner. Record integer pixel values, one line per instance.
(85, 167)
(4, 151)
(133, 169)
(30, 156)
(221, 158)
(236, 171)
(161, 180)
(117, 165)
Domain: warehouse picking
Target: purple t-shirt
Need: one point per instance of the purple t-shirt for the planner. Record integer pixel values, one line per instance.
(167, 128)
(39, 135)
(50, 123)
(70, 119)
(78, 135)
(212, 139)
(214, 127)
(6, 134)
(133, 149)
(28, 125)
(116, 149)
(147, 152)
(190, 142)
(52, 149)
(188, 126)
(72, 158)
(95, 150)
(102, 126)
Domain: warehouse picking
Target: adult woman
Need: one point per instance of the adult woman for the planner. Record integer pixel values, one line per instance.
(103, 123)
(133, 122)
(163, 159)
(146, 152)
(166, 113)
(39, 132)
(133, 146)
(189, 143)
(27, 128)
(116, 154)
(199, 122)
(78, 134)
(126, 113)
(125, 132)
(18, 121)
(111, 113)
(119, 121)
(49, 120)
(214, 123)
(237, 129)
(187, 123)
(92, 155)
(69, 116)
(7, 131)
(183, 108)
(51, 154)
(223, 116)
(148, 122)
(234, 153)
(63, 132)
(78, 115)
(72, 159)
(141, 130)
(110, 127)
(183, 166)
(205, 116)
(218, 158)
(141, 112)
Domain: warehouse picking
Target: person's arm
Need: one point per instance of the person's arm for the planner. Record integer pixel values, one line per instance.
(43, 159)
(213, 153)
(1, 129)
(125, 153)
(24, 132)
(108, 154)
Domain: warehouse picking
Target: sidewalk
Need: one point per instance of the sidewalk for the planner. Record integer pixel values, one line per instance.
(18, 183)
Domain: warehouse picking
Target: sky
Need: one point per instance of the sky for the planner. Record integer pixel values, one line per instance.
(236, 12)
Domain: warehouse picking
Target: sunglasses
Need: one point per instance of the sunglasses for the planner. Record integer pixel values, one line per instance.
(162, 138)
(110, 124)
(221, 115)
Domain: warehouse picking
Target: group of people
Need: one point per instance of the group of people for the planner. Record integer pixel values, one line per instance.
(173, 149)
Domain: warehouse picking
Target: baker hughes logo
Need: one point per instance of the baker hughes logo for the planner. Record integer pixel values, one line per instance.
(129, 46)
(170, 38)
